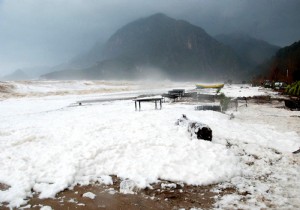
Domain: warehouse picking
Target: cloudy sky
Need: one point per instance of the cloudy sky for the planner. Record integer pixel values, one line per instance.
(50, 32)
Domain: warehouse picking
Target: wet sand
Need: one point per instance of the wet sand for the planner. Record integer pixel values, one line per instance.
(109, 197)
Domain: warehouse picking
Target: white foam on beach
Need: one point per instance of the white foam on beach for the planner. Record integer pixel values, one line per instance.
(244, 90)
(89, 195)
(56, 149)
(46, 208)
(47, 145)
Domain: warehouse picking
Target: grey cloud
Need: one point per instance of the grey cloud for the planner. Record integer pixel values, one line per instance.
(48, 32)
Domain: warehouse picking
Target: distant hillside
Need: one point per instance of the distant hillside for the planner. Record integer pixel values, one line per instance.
(16, 75)
(252, 52)
(172, 48)
(89, 58)
(285, 65)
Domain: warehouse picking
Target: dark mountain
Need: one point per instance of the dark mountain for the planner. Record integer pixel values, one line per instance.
(285, 65)
(252, 52)
(173, 48)
(16, 75)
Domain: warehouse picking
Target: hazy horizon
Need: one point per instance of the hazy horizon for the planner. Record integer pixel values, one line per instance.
(51, 32)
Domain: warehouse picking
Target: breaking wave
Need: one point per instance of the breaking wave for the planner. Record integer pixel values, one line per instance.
(15, 89)
(6, 87)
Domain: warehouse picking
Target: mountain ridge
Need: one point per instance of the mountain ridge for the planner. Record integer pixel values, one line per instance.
(285, 65)
(178, 49)
(16, 75)
(251, 51)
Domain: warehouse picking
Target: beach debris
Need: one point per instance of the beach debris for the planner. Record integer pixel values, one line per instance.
(297, 151)
(206, 97)
(128, 186)
(26, 207)
(196, 129)
(201, 130)
(89, 195)
(216, 108)
(4, 187)
(292, 104)
(168, 186)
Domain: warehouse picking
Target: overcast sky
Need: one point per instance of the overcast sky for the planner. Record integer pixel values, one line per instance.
(50, 32)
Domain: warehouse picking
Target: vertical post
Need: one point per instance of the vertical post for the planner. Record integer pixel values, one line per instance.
(155, 104)
(160, 102)
(135, 105)
(139, 105)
